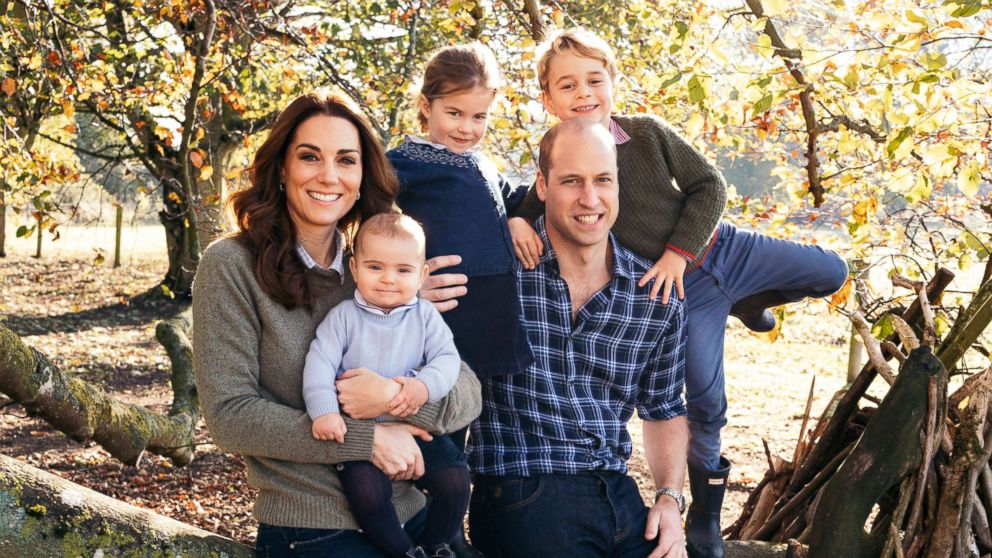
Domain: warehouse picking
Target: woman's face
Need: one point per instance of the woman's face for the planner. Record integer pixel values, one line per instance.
(322, 172)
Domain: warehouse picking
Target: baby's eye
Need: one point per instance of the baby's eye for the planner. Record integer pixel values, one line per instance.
(454, 113)
(567, 86)
(405, 270)
(374, 267)
(481, 116)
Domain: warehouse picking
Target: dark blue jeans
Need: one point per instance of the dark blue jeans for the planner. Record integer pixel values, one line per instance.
(291, 542)
(595, 515)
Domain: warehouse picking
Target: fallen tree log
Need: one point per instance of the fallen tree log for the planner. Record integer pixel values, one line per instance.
(43, 515)
(84, 412)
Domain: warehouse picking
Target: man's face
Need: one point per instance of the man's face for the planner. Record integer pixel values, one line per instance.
(580, 193)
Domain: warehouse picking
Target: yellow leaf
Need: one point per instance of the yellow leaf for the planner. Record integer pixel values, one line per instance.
(846, 142)
(694, 125)
(955, 24)
(775, 7)
(9, 86)
(864, 210)
(68, 108)
(840, 297)
(765, 46)
(196, 157)
(968, 179)
(206, 172)
(174, 197)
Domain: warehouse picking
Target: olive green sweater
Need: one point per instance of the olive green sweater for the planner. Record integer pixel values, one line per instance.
(249, 353)
(671, 197)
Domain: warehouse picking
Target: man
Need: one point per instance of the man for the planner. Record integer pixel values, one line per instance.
(550, 450)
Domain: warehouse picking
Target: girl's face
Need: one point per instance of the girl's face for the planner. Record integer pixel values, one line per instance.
(458, 121)
(578, 87)
(322, 173)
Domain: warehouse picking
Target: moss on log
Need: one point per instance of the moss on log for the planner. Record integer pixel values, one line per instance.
(83, 412)
(45, 516)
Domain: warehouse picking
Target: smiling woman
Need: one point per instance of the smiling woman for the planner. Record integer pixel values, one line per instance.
(257, 301)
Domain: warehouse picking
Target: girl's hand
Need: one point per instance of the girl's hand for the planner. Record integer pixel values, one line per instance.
(667, 271)
(363, 394)
(413, 395)
(526, 242)
(443, 289)
(395, 452)
(330, 427)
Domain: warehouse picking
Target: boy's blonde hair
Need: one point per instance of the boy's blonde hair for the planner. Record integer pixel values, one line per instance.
(581, 43)
(392, 225)
(457, 69)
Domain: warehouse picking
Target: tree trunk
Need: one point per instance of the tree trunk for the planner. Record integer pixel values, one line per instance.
(211, 194)
(84, 412)
(180, 238)
(890, 447)
(42, 515)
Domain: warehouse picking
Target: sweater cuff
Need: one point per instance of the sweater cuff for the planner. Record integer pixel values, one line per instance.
(358, 441)
(433, 389)
(687, 256)
(427, 417)
(322, 408)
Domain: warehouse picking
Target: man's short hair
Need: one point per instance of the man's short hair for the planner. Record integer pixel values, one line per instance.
(574, 126)
(581, 43)
(392, 225)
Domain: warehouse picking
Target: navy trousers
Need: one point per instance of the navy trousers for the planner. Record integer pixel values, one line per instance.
(739, 264)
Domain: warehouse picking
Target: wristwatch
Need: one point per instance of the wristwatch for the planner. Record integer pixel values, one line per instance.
(679, 498)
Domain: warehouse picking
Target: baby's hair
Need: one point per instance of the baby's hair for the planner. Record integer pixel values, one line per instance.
(574, 126)
(581, 43)
(392, 225)
(456, 69)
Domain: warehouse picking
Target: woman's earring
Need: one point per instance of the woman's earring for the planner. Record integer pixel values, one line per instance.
(282, 186)
(358, 196)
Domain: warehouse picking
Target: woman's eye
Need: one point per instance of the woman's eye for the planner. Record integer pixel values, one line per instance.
(348, 161)
(308, 157)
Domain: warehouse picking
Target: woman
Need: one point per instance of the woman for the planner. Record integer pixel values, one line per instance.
(258, 298)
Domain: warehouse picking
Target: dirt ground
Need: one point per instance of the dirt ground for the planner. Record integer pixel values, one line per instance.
(77, 313)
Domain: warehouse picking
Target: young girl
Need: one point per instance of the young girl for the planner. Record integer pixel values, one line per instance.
(455, 191)
(671, 203)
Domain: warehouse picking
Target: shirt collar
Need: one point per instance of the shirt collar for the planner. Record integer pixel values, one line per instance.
(470, 151)
(623, 264)
(369, 307)
(336, 265)
(619, 136)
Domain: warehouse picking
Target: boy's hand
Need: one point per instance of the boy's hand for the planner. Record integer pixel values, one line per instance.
(526, 242)
(330, 427)
(668, 270)
(411, 397)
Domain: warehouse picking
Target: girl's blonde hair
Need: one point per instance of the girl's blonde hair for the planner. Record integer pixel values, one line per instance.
(581, 43)
(456, 69)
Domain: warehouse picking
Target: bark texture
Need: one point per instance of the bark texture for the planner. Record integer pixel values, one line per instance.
(42, 515)
(84, 412)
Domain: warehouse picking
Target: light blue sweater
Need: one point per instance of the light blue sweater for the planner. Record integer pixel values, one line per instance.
(411, 340)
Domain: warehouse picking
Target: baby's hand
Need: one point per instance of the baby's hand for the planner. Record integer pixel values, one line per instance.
(411, 397)
(667, 271)
(330, 427)
(526, 242)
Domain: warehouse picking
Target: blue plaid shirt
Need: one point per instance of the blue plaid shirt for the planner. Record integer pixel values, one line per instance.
(568, 412)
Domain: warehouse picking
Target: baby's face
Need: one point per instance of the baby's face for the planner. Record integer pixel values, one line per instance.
(388, 271)
(578, 87)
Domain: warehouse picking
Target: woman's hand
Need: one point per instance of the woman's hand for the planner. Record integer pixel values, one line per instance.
(668, 270)
(363, 394)
(443, 289)
(395, 451)
(526, 242)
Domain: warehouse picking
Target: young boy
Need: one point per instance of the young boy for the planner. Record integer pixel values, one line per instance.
(386, 328)
(671, 203)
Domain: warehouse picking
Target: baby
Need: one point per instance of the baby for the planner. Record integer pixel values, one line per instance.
(386, 328)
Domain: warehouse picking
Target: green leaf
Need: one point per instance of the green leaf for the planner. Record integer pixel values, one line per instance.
(762, 105)
(697, 93)
(525, 158)
(897, 142)
(883, 327)
(674, 79)
(23, 231)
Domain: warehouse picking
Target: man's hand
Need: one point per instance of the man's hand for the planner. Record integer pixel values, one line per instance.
(413, 395)
(668, 270)
(395, 452)
(443, 289)
(526, 242)
(665, 522)
(329, 427)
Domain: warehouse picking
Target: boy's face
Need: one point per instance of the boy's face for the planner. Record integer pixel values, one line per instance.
(458, 121)
(388, 271)
(578, 87)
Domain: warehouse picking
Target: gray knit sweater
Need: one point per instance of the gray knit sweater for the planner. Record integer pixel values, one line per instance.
(249, 353)
(670, 195)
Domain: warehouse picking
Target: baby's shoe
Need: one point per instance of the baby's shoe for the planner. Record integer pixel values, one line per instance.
(442, 551)
(415, 552)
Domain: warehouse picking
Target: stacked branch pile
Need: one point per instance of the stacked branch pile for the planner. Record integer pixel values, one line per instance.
(907, 476)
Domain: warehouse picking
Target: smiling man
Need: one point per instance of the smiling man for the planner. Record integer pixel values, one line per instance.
(550, 449)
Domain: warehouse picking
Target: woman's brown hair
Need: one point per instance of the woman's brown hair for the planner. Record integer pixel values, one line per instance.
(264, 224)
(457, 69)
